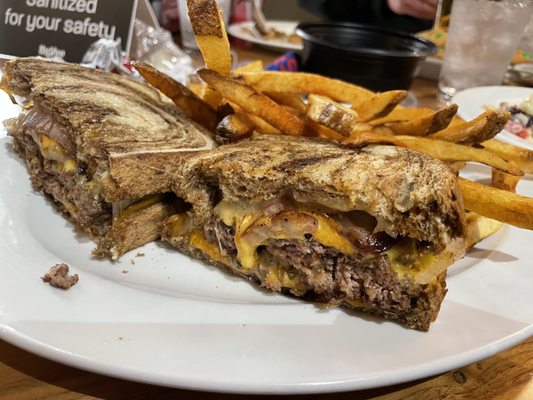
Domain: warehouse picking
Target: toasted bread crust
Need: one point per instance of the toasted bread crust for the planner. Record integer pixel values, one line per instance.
(107, 118)
(409, 193)
(133, 230)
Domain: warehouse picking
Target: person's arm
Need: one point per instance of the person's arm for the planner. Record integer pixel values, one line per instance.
(423, 9)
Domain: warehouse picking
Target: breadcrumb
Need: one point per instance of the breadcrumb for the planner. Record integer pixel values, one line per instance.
(58, 277)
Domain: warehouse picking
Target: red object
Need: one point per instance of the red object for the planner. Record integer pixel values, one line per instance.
(287, 62)
(524, 133)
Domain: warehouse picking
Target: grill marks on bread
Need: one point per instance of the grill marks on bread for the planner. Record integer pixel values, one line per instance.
(409, 193)
(95, 106)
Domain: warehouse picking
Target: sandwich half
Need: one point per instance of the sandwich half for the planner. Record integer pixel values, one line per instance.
(373, 228)
(101, 146)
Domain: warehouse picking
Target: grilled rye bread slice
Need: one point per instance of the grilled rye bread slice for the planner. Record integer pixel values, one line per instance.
(97, 142)
(373, 228)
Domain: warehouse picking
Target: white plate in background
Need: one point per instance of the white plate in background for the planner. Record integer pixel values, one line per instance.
(166, 319)
(242, 30)
(474, 101)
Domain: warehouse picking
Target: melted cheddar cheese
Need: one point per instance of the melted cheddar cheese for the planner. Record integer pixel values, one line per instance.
(198, 240)
(51, 150)
(63, 162)
(405, 258)
(245, 217)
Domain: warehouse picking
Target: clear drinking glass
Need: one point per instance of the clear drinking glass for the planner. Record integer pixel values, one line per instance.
(187, 36)
(482, 37)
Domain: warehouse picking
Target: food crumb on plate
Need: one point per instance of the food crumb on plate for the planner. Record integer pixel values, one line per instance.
(58, 277)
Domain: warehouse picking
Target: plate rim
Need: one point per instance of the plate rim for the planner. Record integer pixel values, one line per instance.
(507, 91)
(234, 30)
(27, 343)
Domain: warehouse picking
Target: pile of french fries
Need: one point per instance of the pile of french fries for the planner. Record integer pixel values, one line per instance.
(234, 104)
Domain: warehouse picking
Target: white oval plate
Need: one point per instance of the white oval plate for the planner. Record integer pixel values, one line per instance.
(473, 101)
(241, 31)
(165, 319)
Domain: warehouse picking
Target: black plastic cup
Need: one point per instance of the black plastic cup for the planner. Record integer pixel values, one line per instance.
(373, 57)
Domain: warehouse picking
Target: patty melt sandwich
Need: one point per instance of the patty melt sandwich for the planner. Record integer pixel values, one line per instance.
(100, 145)
(373, 228)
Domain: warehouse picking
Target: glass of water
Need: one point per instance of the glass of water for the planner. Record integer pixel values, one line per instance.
(482, 37)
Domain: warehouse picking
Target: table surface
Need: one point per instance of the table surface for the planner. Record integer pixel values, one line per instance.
(507, 375)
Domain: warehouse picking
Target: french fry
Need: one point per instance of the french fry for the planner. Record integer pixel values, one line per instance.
(288, 99)
(254, 102)
(363, 139)
(498, 204)
(503, 180)
(210, 33)
(196, 88)
(330, 114)
(521, 156)
(254, 66)
(303, 82)
(479, 227)
(192, 105)
(402, 114)
(323, 131)
(262, 126)
(447, 151)
(426, 125)
(234, 127)
(379, 105)
(457, 166)
(481, 128)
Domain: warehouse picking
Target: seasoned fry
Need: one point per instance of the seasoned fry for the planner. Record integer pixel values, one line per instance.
(332, 120)
(457, 166)
(362, 139)
(192, 105)
(323, 131)
(303, 82)
(481, 128)
(288, 99)
(399, 114)
(479, 227)
(234, 127)
(196, 88)
(447, 151)
(210, 33)
(253, 102)
(503, 180)
(379, 105)
(254, 66)
(521, 156)
(328, 113)
(262, 126)
(498, 204)
(211, 97)
(426, 125)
